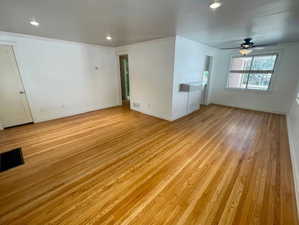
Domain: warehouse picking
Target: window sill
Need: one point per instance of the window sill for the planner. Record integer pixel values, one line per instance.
(269, 91)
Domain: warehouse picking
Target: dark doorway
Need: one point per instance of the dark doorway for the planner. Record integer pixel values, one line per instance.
(124, 76)
(206, 79)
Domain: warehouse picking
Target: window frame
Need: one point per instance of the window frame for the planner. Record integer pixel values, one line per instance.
(252, 56)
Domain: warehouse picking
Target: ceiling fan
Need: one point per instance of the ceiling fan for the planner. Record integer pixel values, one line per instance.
(248, 45)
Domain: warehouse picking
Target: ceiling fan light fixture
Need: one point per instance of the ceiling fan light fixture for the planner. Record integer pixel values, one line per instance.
(244, 51)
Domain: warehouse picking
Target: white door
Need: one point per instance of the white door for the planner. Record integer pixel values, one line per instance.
(14, 108)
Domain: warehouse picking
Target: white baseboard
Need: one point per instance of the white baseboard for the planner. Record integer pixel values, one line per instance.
(295, 164)
(251, 108)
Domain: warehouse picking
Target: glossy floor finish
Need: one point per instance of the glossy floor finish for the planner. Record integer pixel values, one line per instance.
(219, 165)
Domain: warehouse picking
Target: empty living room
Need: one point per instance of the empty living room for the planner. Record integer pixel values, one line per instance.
(149, 112)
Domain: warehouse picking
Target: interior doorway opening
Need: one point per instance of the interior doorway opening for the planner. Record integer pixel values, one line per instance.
(206, 79)
(125, 79)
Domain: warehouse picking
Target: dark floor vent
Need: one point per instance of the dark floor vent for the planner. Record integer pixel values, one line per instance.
(11, 159)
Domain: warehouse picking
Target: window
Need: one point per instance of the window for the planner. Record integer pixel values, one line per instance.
(251, 72)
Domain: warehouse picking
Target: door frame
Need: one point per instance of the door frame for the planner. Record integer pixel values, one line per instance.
(13, 46)
(123, 79)
(118, 54)
(207, 100)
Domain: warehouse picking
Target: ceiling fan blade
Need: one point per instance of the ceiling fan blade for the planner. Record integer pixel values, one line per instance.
(258, 48)
(230, 48)
(263, 46)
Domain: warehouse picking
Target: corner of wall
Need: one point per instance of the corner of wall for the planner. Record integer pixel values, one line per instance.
(295, 164)
(173, 80)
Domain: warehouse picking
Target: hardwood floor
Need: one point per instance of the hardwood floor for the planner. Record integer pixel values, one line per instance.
(219, 165)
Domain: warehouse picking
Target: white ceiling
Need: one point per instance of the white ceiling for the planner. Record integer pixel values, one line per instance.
(130, 21)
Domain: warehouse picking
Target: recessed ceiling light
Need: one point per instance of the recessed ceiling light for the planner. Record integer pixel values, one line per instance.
(109, 38)
(34, 23)
(215, 5)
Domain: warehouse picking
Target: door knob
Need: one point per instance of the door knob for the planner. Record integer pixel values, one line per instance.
(22, 92)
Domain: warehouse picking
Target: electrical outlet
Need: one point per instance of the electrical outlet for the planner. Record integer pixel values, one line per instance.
(136, 105)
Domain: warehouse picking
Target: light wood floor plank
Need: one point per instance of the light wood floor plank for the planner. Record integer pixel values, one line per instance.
(217, 166)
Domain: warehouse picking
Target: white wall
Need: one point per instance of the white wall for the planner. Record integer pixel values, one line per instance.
(293, 131)
(188, 67)
(60, 78)
(284, 83)
(151, 76)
